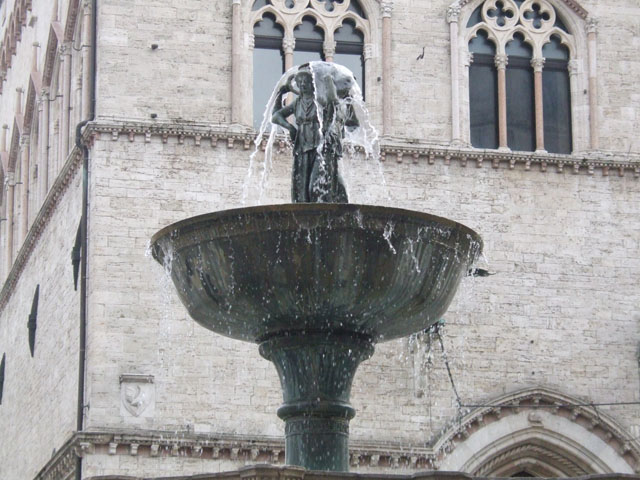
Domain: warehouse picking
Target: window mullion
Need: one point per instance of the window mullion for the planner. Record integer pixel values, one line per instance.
(288, 46)
(537, 64)
(501, 66)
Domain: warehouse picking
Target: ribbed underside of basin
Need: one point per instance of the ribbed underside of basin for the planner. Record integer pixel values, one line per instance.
(256, 272)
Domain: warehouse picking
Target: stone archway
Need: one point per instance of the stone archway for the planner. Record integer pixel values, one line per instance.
(541, 433)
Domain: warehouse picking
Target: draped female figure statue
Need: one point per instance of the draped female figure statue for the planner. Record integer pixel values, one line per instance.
(321, 110)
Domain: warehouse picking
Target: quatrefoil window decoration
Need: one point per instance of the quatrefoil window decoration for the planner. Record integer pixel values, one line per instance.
(536, 16)
(329, 4)
(500, 13)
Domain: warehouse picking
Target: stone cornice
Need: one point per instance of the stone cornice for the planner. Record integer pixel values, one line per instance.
(230, 447)
(400, 149)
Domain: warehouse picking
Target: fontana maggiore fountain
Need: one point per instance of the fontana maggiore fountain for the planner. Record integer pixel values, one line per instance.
(318, 282)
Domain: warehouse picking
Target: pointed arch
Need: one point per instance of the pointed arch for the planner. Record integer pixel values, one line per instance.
(297, 48)
(542, 432)
(538, 21)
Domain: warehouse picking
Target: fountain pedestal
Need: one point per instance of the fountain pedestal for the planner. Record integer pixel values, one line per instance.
(316, 370)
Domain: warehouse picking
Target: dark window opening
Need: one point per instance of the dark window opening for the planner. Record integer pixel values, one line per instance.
(258, 4)
(76, 257)
(32, 322)
(309, 42)
(268, 63)
(268, 56)
(483, 93)
(556, 98)
(520, 96)
(560, 24)
(2, 364)
(476, 17)
(350, 50)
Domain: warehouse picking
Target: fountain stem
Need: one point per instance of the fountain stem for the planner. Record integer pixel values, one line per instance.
(316, 370)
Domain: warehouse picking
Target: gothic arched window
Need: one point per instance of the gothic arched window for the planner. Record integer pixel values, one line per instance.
(293, 32)
(309, 41)
(519, 89)
(483, 89)
(268, 60)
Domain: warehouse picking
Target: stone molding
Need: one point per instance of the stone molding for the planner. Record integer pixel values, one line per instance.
(241, 448)
(533, 400)
(401, 149)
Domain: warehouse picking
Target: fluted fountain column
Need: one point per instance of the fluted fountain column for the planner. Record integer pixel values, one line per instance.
(316, 370)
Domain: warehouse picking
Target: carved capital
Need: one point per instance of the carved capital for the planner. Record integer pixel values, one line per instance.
(572, 66)
(251, 41)
(537, 64)
(592, 25)
(386, 7)
(453, 13)
(368, 51)
(469, 59)
(329, 48)
(501, 61)
(288, 44)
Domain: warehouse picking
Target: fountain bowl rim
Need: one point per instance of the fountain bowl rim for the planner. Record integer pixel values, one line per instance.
(187, 224)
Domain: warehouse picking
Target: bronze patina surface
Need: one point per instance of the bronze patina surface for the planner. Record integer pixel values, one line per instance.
(316, 285)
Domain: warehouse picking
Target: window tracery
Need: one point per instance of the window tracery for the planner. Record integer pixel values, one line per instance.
(554, 62)
(522, 31)
(300, 31)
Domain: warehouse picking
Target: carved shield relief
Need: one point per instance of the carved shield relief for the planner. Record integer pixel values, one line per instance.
(137, 395)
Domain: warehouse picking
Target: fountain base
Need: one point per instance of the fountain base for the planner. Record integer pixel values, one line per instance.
(316, 370)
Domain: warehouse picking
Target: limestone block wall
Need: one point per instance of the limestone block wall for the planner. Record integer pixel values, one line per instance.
(194, 39)
(39, 401)
(618, 68)
(560, 312)
(192, 60)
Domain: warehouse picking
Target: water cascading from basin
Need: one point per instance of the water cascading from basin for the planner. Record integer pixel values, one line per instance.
(316, 285)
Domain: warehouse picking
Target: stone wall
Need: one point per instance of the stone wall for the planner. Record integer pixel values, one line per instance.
(39, 401)
(192, 60)
(558, 313)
